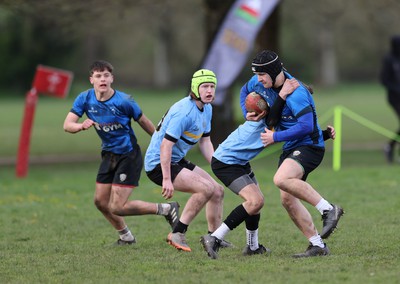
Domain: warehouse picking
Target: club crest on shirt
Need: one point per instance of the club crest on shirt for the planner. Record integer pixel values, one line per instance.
(92, 110)
(296, 153)
(122, 177)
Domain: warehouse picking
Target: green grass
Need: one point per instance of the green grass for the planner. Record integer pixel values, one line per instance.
(52, 233)
(48, 137)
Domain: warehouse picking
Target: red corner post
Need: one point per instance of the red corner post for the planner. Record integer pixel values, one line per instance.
(24, 140)
(48, 81)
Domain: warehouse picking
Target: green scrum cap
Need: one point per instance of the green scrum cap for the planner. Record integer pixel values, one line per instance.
(202, 76)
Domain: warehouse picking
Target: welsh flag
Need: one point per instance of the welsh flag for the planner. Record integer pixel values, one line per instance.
(249, 12)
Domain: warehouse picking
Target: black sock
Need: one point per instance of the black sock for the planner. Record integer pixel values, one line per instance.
(252, 222)
(180, 228)
(236, 217)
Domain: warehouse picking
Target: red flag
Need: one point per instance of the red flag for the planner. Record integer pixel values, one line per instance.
(52, 81)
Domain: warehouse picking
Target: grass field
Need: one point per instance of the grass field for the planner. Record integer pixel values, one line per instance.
(52, 233)
(48, 137)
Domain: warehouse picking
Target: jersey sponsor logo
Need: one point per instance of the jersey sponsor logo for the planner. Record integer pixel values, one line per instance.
(107, 127)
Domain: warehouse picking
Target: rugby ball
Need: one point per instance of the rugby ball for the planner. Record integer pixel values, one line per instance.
(255, 103)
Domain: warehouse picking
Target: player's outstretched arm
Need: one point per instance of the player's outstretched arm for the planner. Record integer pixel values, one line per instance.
(146, 124)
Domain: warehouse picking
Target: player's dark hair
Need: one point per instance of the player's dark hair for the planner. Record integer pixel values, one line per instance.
(99, 66)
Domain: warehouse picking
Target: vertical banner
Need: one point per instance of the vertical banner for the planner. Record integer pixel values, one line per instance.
(234, 41)
(48, 81)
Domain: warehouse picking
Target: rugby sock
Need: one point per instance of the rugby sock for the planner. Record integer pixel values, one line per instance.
(252, 231)
(221, 232)
(323, 205)
(163, 208)
(252, 239)
(180, 227)
(236, 217)
(125, 234)
(317, 241)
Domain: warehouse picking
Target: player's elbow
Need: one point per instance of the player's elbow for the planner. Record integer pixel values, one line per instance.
(69, 129)
(65, 127)
(308, 129)
(305, 127)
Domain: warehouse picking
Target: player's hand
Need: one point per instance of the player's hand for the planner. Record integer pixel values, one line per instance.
(331, 132)
(288, 87)
(87, 123)
(267, 137)
(167, 189)
(253, 116)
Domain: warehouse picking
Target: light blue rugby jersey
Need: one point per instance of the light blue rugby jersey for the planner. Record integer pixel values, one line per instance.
(112, 119)
(296, 104)
(185, 123)
(242, 145)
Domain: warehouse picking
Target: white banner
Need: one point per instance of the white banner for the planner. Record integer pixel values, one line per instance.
(234, 41)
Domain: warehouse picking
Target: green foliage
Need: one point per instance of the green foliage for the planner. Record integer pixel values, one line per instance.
(68, 35)
(27, 40)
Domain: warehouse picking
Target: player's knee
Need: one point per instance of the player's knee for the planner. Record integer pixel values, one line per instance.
(208, 190)
(116, 209)
(279, 181)
(255, 205)
(101, 205)
(218, 192)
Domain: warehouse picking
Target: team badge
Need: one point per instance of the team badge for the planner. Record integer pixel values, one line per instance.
(122, 177)
(296, 153)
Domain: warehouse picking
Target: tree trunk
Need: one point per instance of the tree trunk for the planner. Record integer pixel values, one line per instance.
(161, 52)
(268, 38)
(327, 67)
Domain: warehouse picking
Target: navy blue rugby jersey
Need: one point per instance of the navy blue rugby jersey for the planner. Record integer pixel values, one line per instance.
(112, 119)
(299, 103)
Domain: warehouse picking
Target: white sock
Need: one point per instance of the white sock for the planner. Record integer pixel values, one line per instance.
(252, 239)
(323, 205)
(125, 234)
(317, 241)
(221, 232)
(163, 208)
